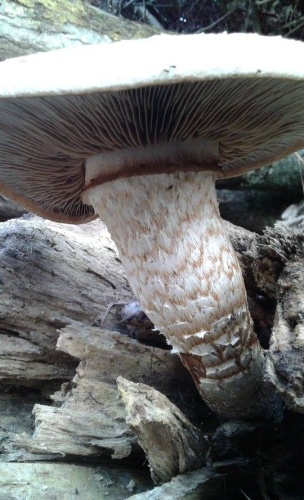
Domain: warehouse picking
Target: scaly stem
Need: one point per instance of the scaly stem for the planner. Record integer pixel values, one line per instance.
(183, 269)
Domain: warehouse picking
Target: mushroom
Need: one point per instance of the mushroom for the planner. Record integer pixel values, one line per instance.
(137, 132)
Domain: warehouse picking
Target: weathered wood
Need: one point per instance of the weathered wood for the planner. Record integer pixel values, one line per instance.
(88, 417)
(171, 443)
(29, 26)
(273, 265)
(24, 362)
(52, 275)
(209, 482)
(285, 362)
(192, 485)
(265, 256)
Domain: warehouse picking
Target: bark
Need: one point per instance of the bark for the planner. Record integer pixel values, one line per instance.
(28, 26)
(274, 272)
(264, 257)
(285, 363)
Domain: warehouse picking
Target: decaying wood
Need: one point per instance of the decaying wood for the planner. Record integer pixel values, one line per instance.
(171, 443)
(209, 482)
(285, 362)
(193, 485)
(29, 26)
(266, 255)
(23, 362)
(88, 417)
(273, 264)
(52, 275)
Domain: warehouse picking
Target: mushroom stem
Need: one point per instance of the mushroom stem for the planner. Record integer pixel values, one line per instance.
(184, 271)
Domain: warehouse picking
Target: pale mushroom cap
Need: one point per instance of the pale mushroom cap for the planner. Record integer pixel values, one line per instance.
(157, 60)
(241, 95)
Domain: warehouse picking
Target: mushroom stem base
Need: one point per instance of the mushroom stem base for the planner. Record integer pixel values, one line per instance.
(183, 269)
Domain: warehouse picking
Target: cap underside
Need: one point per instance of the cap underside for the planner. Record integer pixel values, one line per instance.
(45, 141)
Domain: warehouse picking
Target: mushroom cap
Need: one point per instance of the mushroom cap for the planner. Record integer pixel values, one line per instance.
(240, 97)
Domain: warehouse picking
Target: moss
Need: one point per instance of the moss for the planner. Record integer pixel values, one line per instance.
(60, 12)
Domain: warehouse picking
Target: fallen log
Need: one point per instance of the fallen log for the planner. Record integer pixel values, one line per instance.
(52, 275)
(38, 25)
